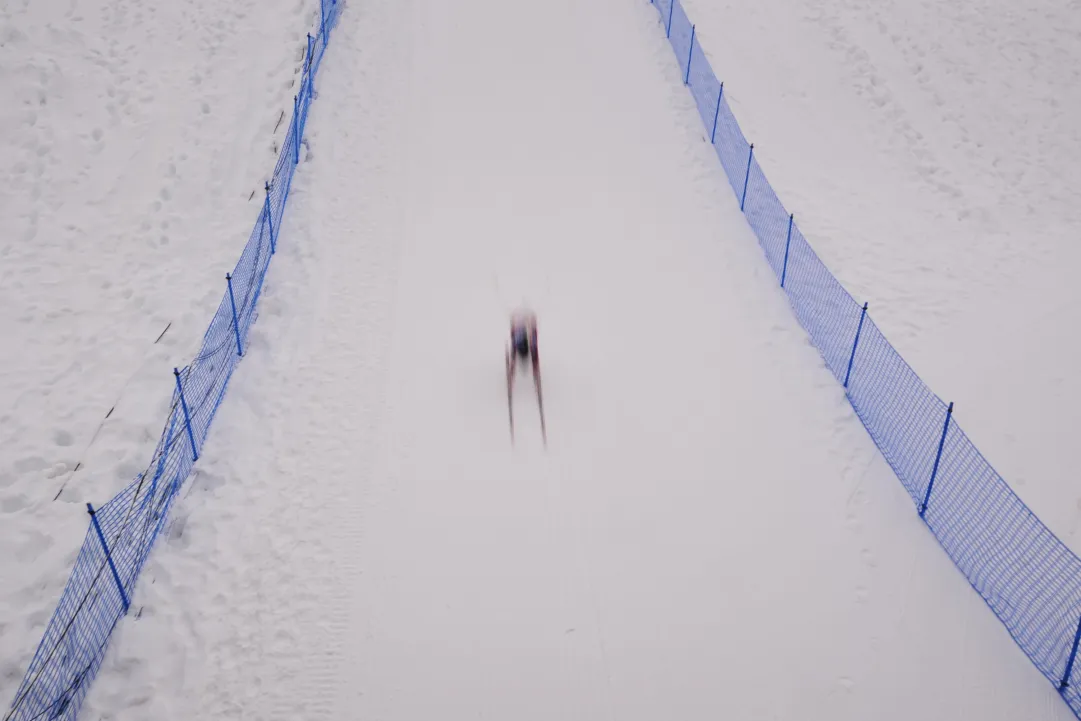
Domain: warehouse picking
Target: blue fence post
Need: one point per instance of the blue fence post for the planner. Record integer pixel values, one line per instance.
(1069, 663)
(690, 54)
(323, 21)
(109, 557)
(747, 177)
(784, 268)
(671, 7)
(232, 302)
(852, 357)
(187, 416)
(938, 457)
(716, 115)
(269, 218)
(296, 130)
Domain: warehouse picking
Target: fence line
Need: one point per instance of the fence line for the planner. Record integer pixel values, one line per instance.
(122, 532)
(1027, 576)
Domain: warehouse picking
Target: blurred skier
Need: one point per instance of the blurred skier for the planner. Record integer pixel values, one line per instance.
(523, 345)
(523, 340)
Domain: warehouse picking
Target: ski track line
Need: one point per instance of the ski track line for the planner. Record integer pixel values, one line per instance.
(372, 49)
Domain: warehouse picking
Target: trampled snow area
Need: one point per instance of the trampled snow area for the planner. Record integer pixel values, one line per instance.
(133, 134)
(710, 533)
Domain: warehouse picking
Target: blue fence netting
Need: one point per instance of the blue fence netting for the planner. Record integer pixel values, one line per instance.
(122, 531)
(1027, 576)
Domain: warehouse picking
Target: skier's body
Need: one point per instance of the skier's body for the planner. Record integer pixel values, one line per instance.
(523, 341)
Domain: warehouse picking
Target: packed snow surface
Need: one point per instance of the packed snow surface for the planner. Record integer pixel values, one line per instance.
(709, 533)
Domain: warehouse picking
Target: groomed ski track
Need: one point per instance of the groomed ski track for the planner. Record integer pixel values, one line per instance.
(710, 534)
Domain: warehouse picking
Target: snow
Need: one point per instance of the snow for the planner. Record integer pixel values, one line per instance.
(135, 133)
(931, 155)
(710, 533)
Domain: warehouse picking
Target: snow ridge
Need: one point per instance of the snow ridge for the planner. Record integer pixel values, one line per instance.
(122, 532)
(1025, 574)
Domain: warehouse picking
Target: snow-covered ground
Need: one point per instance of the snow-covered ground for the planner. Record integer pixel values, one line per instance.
(931, 153)
(710, 532)
(133, 134)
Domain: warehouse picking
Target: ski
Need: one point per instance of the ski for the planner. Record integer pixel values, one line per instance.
(540, 403)
(510, 399)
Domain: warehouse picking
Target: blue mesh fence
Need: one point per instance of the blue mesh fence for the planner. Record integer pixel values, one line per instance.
(122, 532)
(1025, 574)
